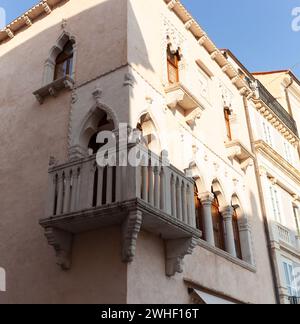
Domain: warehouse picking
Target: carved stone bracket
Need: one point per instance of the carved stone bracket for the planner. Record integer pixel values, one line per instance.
(62, 244)
(176, 250)
(130, 230)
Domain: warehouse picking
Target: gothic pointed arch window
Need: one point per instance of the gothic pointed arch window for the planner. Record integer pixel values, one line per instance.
(103, 124)
(218, 223)
(149, 133)
(173, 59)
(64, 62)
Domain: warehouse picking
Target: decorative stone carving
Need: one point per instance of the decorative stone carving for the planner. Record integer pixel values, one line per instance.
(130, 230)
(62, 244)
(227, 95)
(53, 88)
(236, 150)
(97, 94)
(129, 80)
(74, 97)
(193, 116)
(176, 250)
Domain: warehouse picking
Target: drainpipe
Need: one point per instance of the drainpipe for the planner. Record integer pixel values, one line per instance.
(262, 202)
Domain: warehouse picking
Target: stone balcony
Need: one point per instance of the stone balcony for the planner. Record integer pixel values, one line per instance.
(285, 237)
(158, 199)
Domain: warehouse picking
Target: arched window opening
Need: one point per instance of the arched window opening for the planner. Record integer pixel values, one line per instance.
(199, 213)
(218, 223)
(103, 125)
(236, 233)
(173, 59)
(149, 133)
(64, 62)
(227, 116)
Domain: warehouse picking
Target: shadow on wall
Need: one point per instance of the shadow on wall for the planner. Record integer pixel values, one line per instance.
(38, 132)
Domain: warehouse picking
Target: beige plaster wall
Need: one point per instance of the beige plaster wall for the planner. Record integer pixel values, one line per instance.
(30, 134)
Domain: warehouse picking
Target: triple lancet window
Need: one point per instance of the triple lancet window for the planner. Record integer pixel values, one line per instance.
(218, 224)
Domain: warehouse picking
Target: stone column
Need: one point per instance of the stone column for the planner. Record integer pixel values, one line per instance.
(206, 200)
(227, 214)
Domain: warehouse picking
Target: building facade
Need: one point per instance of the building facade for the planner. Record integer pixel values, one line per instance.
(181, 213)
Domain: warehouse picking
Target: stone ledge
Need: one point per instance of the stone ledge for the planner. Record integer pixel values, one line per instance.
(53, 88)
(227, 256)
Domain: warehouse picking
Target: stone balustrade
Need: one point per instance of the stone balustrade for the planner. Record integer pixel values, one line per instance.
(286, 236)
(85, 196)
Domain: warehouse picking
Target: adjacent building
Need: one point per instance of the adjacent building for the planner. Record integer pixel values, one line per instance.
(188, 209)
(273, 110)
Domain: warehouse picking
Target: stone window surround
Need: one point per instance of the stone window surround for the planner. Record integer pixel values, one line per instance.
(51, 87)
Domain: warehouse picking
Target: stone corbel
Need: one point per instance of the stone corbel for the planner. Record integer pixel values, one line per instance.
(174, 98)
(193, 116)
(69, 84)
(46, 7)
(176, 250)
(97, 94)
(62, 244)
(129, 80)
(52, 92)
(233, 152)
(130, 230)
(246, 164)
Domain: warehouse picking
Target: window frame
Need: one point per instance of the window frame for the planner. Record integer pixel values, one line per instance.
(227, 116)
(62, 59)
(173, 65)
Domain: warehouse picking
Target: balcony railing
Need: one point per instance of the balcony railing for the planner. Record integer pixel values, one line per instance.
(276, 107)
(84, 196)
(294, 300)
(282, 234)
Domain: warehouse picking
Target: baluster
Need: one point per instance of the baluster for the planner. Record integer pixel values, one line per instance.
(156, 187)
(119, 173)
(52, 195)
(60, 193)
(91, 182)
(162, 190)
(184, 203)
(74, 195)
(173, 196)
(67, 182)
(151, 185)
(109, 185)
(178, 200)
(144, 183)
(100, 186)
(191, 206)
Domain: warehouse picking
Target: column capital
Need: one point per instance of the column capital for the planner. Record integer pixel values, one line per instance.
(227, 212)
(206, 198)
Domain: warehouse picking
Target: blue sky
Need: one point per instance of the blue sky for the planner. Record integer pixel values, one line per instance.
(259, 32)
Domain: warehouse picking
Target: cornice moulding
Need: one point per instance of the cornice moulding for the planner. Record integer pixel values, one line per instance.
(278, 160)
(269, 115)
(177, 7)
